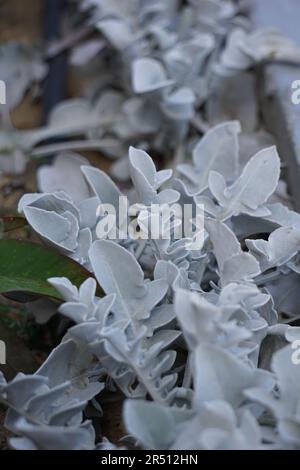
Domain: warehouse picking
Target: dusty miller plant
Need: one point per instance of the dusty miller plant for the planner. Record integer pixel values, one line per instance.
(190, 337)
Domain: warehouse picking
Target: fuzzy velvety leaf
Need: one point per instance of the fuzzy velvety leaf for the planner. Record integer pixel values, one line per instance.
(217, 151)
(18, 356)
(26, 267)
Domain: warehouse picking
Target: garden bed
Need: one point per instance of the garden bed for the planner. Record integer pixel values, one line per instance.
(170, 103)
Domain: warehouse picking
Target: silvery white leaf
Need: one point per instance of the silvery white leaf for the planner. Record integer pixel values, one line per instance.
(283, 244)
(117, 32)
(175, 277)
(143, 174)
(82, 305)
(229, 325)
(214, 370)
(59, 230)
(224, 241)
(64, 175)
(245, 49)
(31, 198)
(270, 44)
(248, 295)
(56, 437)
(152, 371)
(283, 216)
(147, 180)
(279, 216)
(218, 427)
(196, 317)
(149, 75)
(65, 288)
(87, 209)
(70, 112)
(84, 243)
(21, 67)
(107, 193)
(264, 166)
(217, 150)
(120, 169)
(184, 61)
(234, 265)
(108, 106)
(170, 60)
(292, 333)
(102, 186)
(107, 445)
(119, 273)
(252, 189)
(239, 268)
(22, 388)
(66, 362)
(160, 317)
(179, 104)
(151, 424)
(59, 202)
(14, 146)
(285, 406)
(214, 10)
(253, 142)
(49, 404)
(165, 39)
(233, 57)
(112, 8)
(85, 52)
(68, 118)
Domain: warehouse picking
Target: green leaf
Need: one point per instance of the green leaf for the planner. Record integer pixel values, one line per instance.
(26, 267)
(10, 223)
(19, 358)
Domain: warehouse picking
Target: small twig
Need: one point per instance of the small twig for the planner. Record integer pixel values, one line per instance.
(140, 249)
(269, 277)
(21, 412)
(61, 45)
(200, 125)
(45, 150)
(188, 376)
(178, 158)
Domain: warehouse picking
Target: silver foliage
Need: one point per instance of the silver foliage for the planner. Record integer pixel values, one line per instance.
(189, 337)
(220, 306)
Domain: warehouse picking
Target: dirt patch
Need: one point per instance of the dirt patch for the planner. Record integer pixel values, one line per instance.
(20, 21)
(4, 434)
(112, 421)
